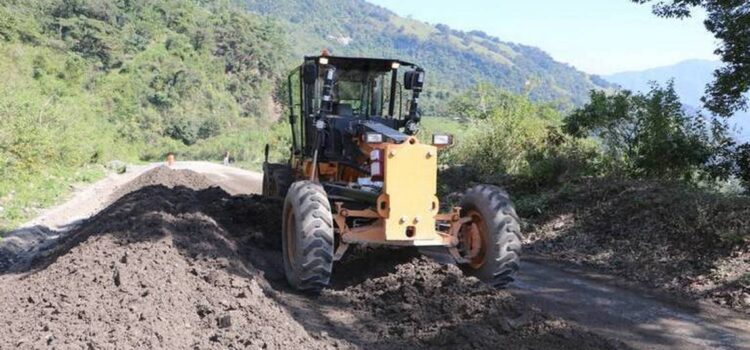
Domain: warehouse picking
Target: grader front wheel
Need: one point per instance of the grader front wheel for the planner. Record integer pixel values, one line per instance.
(490, 242)
(307, 237)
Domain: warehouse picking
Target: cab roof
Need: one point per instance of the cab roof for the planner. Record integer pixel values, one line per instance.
(377, 64)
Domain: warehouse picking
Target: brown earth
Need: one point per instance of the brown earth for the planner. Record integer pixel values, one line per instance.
(164, 176)
(193, 267)
(685, 241)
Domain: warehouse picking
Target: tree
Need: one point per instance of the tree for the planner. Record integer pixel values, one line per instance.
(650, 135)
(742, 158)
(610, 118)
(729, 21)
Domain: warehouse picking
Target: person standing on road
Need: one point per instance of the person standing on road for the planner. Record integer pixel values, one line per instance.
(226, 158)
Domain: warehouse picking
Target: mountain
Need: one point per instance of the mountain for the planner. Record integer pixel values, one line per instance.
(454, 60)
(690, 80)
(690, 76)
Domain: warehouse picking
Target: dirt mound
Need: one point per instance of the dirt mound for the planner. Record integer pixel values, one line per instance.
(197, 268)
(164, 176)
(154, 270)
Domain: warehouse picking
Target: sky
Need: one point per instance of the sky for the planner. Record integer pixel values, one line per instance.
(595, 36)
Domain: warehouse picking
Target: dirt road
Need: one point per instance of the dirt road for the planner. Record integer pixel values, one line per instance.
(641, 319)
(402, 301)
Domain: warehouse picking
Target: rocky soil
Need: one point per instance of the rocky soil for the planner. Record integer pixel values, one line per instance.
(189, 266)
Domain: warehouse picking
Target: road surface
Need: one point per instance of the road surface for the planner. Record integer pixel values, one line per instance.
(639, 318)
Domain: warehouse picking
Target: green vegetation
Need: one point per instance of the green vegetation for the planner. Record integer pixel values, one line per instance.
(508, 135)
(619, 135)
(88, 81)
(651, 136)
(454, 60)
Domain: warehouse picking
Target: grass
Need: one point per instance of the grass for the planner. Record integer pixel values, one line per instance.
(24, 194)
(22, 198)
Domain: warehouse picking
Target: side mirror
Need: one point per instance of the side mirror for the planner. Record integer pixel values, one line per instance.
(310, 73)
(414, 80)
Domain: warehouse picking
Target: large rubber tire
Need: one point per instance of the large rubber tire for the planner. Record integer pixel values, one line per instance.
(307, 237)
(500, 231)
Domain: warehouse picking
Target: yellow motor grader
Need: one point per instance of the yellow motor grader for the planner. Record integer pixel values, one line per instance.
(357, 174)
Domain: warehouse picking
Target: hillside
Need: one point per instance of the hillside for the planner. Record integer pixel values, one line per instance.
(690, 80)
(454, 59)
(88, 81)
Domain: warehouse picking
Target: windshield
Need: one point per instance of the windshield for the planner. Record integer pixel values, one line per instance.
(358, 92)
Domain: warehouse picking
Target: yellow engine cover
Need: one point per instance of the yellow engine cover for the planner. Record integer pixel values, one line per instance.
(410, 187)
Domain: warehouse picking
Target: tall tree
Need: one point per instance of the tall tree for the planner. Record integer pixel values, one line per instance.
(650, 135)
(729, 21)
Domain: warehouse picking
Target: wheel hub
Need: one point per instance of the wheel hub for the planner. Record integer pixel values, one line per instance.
(291, 246)
(473, 240)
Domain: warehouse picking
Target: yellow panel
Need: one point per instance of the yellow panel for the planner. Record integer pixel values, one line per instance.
(411, 184)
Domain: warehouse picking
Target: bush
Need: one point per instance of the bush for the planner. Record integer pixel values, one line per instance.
(559, 160)
(510, 135)
(650, 135)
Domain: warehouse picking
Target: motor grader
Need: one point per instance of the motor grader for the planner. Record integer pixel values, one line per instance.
(358, 174)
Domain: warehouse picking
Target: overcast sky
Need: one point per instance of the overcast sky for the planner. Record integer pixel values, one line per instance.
(596, 36)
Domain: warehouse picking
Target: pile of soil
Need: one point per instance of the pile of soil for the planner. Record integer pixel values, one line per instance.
(18, 248)
(197, 268)
(681, 240)
(164, 176)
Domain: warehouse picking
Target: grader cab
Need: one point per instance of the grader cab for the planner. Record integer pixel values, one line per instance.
(358, 174)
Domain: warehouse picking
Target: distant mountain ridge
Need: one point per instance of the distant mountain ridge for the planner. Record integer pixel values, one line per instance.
(690, 76)
(455, 60)
(690, 80)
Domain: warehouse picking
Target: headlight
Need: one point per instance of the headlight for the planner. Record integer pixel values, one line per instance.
(323, 60)
(373, 137)
(442, 140)
(395, 65)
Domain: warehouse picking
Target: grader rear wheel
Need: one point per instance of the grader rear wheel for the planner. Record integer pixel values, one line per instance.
(491, 241)
(307, 237)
